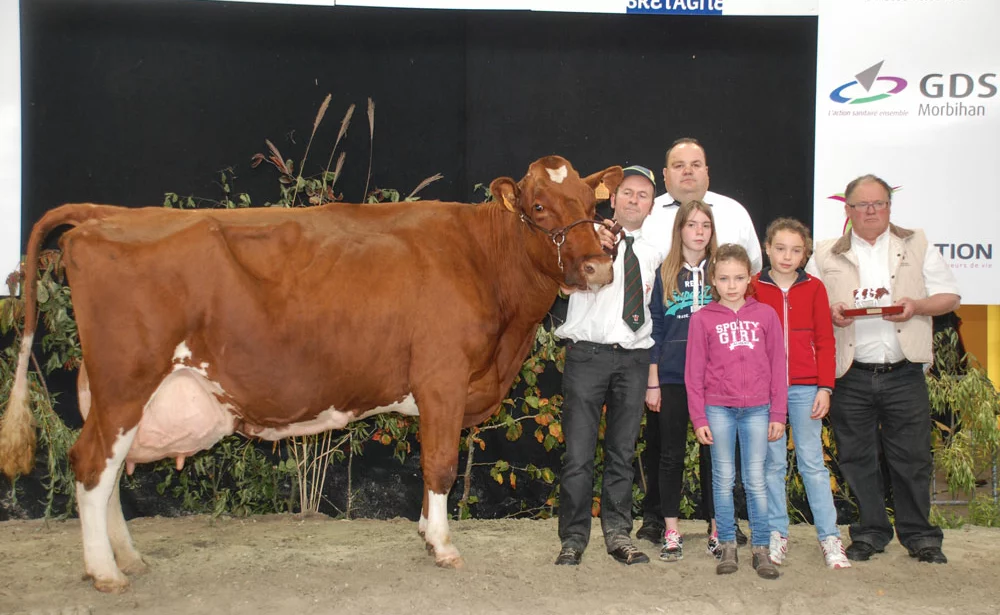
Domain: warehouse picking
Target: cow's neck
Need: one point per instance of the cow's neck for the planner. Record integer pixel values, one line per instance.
(527, 282)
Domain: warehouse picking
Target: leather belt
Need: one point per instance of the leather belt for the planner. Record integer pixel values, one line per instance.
(880, 368)
(607, 347)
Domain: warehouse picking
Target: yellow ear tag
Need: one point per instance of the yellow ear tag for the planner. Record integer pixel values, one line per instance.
(601, 192)
(507, 202)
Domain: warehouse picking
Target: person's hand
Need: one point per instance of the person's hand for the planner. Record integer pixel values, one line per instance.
(604, 234)
(653, 399)
(821, 405)
(775, 431)
(909, 309)
(837, 314)
(704, 435)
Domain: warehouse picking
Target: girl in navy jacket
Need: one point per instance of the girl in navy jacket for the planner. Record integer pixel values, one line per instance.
(679, 291)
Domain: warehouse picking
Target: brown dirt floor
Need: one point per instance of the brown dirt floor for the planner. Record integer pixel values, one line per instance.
(283, 564)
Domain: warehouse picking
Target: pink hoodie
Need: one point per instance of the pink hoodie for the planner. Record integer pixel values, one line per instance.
(736, 359)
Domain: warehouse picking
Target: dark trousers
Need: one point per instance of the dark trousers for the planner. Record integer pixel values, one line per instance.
(666, 448)
(892, 406)
(596, 374)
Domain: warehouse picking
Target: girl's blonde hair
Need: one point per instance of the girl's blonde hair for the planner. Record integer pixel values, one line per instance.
(675, 259)
(727, 252)
(793, 225)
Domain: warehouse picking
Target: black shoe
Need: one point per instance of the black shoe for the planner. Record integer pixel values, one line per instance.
(741, 538)
(929, 555)
(651, 532)
(628, 555)
(860, 551)
(568, 556)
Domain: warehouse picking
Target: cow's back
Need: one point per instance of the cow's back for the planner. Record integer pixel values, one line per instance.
(293, 311)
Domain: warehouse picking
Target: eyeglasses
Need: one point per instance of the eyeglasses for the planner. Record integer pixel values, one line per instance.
(877, 205)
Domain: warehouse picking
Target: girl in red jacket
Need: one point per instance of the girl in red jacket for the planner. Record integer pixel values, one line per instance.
(804, 311)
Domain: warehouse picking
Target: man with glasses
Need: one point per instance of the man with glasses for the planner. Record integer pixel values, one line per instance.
(880, 400)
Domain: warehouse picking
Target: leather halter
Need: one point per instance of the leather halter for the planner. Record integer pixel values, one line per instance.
(558, 235)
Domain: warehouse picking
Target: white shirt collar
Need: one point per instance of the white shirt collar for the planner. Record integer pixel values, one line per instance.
(859, 242)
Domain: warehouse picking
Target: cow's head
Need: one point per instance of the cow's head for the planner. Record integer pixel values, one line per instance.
(557, 207)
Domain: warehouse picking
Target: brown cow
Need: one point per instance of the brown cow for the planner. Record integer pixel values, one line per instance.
(279, 322)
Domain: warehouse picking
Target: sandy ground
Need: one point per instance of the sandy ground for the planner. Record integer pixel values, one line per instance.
(281, 564)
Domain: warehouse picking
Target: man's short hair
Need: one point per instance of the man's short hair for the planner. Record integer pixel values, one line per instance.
(851, 187)
(682, 141)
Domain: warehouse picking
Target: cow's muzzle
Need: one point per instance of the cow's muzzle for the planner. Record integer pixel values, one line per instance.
(596, 271)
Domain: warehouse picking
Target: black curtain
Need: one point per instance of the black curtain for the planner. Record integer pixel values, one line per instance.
(126, 100)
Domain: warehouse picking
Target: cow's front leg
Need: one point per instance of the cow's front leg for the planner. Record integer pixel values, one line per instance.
(96, 480)
(440, 429)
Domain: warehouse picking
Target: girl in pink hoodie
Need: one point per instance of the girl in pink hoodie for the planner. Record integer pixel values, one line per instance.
(737, 389)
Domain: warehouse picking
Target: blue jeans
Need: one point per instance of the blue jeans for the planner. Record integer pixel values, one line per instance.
(807, 433)
(750, 425)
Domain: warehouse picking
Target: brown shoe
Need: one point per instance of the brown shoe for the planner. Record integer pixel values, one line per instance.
(628, 555)
(762, 563)
(728, 561)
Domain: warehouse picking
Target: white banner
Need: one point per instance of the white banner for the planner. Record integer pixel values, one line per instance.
(10, 141)
(908, 90)
(658, 7)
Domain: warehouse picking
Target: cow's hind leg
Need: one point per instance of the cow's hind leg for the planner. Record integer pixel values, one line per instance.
(102, 477)
(128, 558)
(440, 429)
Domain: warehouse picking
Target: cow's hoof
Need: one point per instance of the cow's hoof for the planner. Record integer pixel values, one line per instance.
(429, 547)
(134, 566)
(454, 562)
(113, 585)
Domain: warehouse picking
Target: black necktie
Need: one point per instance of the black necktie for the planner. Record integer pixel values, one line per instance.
(632, 310)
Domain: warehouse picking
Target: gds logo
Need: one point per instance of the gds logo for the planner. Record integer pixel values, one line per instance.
(868, 87)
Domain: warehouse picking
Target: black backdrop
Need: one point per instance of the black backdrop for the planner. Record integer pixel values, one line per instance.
(126, 100)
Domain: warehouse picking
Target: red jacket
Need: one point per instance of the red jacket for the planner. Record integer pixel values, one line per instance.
(804, 312)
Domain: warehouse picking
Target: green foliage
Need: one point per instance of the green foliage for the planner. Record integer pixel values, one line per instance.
(230, 199)
(984, 510)
(967, 443)
(62, 347)
(946, 519)
(233, 477)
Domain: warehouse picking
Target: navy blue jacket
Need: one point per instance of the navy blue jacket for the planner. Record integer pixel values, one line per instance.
(670, 322)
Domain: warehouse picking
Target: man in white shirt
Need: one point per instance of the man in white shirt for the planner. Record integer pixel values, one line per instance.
(686, 178)
(607, 359)
(881, 394)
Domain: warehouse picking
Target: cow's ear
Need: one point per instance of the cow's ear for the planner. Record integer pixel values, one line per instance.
(605, 182)
(505, 190)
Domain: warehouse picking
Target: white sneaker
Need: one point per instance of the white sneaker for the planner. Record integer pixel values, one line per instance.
(778, 548)
(833, 553)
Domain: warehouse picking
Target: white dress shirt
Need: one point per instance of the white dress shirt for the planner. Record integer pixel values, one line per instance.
(597, 316)
(732, 223)
(875, 338)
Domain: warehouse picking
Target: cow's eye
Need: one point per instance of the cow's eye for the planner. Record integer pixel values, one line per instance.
(538, 207)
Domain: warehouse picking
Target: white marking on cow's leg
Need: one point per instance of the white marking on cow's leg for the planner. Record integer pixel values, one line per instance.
(128, 558)
(422, 525)
(438, 535)
(98, 557)
(558, 175)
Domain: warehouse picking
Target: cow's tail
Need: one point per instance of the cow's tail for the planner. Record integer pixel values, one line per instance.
(17, 428)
